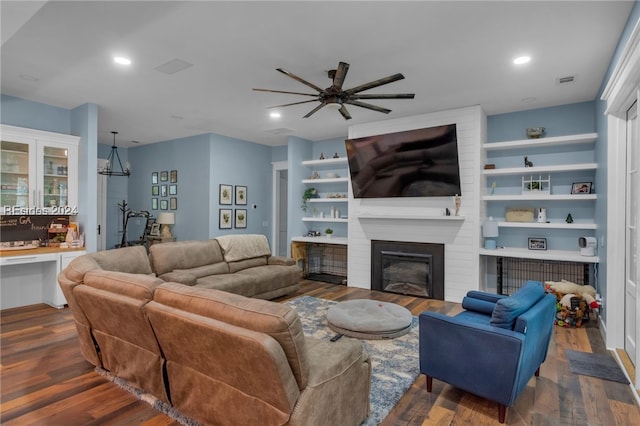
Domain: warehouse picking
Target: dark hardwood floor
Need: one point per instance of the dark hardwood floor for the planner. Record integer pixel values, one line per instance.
(45, 380)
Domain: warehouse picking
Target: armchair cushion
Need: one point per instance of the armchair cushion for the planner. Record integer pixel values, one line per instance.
(509, 308)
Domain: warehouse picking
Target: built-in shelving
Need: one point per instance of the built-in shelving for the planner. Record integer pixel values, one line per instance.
(409, 217)
(575, 154)
(325, 219)
(327, 162)
(541, 196)
(523, 253)
(328, 200)
(542, 142)
(326, 180)
(540, 169)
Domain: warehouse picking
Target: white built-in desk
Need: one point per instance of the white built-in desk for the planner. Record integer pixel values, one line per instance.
(31, 276)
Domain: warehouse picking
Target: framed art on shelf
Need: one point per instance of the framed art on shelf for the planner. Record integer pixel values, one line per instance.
(173, 176)
(241, 218)
(241, 195)
(224, 219)
(155, 229)
(225, 194)
(537, 243)
(581, 188)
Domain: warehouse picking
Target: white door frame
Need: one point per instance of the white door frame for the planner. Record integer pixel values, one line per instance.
(101, 211)
(621, 92)
(277, 167)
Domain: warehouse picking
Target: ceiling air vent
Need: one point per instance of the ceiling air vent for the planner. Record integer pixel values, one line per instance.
(566, 80)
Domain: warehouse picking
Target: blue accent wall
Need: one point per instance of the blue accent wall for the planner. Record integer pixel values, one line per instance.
(34, 115)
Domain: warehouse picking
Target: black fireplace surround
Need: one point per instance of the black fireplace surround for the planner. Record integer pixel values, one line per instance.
(428, 254)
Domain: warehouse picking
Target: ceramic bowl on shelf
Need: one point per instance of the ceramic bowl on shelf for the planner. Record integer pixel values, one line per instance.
(332, 175)
(535, 132)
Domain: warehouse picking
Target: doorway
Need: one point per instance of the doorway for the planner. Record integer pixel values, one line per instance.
(632, 237)
(280, 209)
(101, 211)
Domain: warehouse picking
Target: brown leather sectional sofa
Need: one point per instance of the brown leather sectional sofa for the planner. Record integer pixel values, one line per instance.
(218, 357)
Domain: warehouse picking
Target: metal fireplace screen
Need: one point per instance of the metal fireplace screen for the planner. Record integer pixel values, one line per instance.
(407, 273)
(513, 272)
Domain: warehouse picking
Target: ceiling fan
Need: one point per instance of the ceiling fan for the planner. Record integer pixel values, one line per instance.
(334, 96)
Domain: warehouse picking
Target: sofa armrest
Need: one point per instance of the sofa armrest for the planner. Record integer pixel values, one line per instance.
(472, 356)
(180, 278)
(280, 260)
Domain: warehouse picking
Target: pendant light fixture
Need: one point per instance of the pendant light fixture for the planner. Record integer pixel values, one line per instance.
(111, 168)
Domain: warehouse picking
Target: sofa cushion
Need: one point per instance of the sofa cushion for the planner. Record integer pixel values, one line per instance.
(247, 246)
(247, 263)
(132, 285)
(133, 260)
(478, 305)
(233, 283)
(206, 270)
(179, 277)
(277, 320)
(509, 308)
(183, 255)
(272, 277)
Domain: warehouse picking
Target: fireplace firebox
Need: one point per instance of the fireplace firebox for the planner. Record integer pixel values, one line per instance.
(414, 269)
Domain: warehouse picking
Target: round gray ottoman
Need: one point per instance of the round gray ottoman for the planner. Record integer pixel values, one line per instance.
(369, 319)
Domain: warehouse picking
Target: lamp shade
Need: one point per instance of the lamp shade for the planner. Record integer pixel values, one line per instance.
(490, 228)
(166, 219)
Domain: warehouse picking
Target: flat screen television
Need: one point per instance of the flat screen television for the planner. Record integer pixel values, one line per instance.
(413, 163)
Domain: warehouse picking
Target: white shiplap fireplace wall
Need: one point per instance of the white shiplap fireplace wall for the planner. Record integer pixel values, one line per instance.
(421, 219)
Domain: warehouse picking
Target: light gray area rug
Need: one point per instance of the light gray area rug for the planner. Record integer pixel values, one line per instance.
(394, 362)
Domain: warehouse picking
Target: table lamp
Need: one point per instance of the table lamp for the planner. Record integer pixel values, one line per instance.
(490, 231)
(166, 219)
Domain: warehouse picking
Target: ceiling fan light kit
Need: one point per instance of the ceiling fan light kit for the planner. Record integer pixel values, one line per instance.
(335, 97)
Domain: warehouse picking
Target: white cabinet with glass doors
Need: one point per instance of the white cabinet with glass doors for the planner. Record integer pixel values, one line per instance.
(38, 170)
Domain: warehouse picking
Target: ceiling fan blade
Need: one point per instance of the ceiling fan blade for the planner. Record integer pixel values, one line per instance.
(368, 106)
(294, 103)
(389, 96)
(340, 75)
(375, 83)
(313, 111)
(282, 91)
(295, 77)
(345, 113)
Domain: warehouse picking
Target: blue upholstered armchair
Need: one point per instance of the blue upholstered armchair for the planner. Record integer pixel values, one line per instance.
(493, 347)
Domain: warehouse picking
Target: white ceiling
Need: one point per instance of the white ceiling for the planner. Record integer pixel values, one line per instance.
(451, 53)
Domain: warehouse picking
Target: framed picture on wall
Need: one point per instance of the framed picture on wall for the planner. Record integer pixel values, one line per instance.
(154, 178)
(154, 204)
(241, 218)
(225, 218)
(164, 176)
(163, 190)
(225, 194)
(164, 205)
(173, 189)
(241, 195)
(155, 190)
(173, 203)
(173, 176)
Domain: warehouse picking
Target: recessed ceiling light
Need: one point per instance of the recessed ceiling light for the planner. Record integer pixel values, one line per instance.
(274, 114)
(521, 60)
(121, 60)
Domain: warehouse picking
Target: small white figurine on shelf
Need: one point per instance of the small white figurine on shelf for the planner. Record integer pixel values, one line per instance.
(457, 203)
